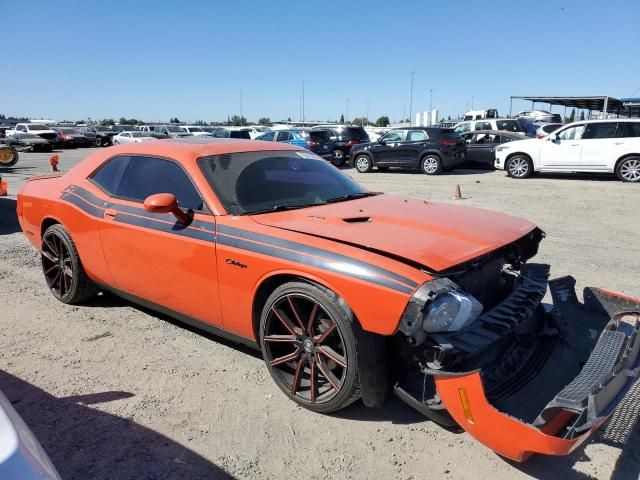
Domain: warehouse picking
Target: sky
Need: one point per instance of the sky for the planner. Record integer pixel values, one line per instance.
(154, 60)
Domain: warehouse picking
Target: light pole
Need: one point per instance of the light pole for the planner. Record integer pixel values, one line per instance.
(346, 120)
(411, 101)
(430, 106)
(471, 102)
(240, 107)
(367, 115)
(303, 117)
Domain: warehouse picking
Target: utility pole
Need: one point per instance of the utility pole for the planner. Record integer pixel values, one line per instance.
(430, 106)
(471, 102)
(346, 120)
(303, 117)
(240, 107)
(411, 101)
(367, 115)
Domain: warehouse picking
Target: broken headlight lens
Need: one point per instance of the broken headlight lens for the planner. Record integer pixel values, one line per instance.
(438, 306)
(450, 311)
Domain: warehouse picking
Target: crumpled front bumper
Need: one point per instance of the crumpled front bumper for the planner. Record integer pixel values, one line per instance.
(580, 407)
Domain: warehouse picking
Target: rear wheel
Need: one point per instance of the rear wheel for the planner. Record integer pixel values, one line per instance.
(62, 268)
(363, 163)
(309, 346)
(519, 166)
(431, 165)
(338, 158)
(628, 170)
(98, 142)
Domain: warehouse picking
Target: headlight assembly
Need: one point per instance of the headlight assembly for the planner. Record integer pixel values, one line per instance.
(438, 306)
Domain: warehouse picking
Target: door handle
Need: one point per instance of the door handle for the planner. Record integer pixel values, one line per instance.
(575, 144)
(110, 212)
(619, 143)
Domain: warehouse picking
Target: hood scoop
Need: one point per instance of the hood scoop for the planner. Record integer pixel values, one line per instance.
(357, 220)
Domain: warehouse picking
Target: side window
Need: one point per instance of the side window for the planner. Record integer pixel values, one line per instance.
(393, 136)
(633, 129)
(463, 127)
(601, 130)
(416, 136)
(135, 178)
(571, 133)
(284, 137)
(268, 137)
(483, 126)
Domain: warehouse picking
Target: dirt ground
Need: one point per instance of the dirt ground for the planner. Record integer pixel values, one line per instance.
(114, 391)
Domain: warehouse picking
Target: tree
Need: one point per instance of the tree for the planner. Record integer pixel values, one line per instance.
(288, 119)
(236, 121)
(449, 118)
(582, 115)
(362, 121)
(174, 120)
(341, 118)
(383, 121)
(105, 122)
(2, 117)
(264, 121)
(572, 117)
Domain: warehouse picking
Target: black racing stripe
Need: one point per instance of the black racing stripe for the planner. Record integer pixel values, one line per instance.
(152, 224)
(343, 267)
(86, 195)
(82, 204)
(91, 198)
(300, 247)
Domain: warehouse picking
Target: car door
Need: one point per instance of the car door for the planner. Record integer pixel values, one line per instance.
(481, 149)
(414, 144)
(386, 150)
(152, 256)
(562, 150)
(602, 144)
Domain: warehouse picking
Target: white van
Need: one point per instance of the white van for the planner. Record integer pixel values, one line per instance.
(481, 114)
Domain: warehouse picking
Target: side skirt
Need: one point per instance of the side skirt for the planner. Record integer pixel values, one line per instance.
(193, 322)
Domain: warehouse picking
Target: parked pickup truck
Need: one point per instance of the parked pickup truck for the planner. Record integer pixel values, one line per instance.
(36, 128)
(103, 136)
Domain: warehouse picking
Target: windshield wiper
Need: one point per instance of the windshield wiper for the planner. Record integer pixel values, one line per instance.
(283, 207)
(352, 196)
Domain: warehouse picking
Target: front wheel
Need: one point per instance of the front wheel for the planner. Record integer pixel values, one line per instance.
(363, 163)
(116, 142)
(309, 346)
(628, 170)
(8, 156)
(519, 167)
(431, 165)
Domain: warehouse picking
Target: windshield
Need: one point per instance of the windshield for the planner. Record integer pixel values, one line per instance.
(259, 182)
(37, 127)
(28, 135)
(139, 134)
(66, 130)
(175, 129)
(195, 129)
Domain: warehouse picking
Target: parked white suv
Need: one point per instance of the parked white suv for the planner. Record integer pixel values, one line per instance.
(601, 146)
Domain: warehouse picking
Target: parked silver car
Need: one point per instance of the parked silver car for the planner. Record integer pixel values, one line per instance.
(539, 116)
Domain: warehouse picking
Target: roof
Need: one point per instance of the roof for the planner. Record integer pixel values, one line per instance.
(196, 147)
(585, 103)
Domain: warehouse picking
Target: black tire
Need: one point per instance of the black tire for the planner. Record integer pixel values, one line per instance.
(116, 142)
(628, 170)
(98, 142)
(304, 348)
(431, 164)
(363, 163)
(519, 166)
(62, 268)
(338, 158)
(8, 156)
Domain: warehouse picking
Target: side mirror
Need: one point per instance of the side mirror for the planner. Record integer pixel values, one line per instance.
(165, 203)
(381, 141)
(553, 138)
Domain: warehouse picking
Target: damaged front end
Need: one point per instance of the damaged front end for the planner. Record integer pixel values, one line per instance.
(520, 376)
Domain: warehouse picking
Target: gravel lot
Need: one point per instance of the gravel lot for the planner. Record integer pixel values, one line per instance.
(114, 391)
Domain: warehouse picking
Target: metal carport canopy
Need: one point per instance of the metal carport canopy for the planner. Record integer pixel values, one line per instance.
(599, 104)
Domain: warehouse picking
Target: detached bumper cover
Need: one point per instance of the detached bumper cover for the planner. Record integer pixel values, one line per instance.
(582, 406)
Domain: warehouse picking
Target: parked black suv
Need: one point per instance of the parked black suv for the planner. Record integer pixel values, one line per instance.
(429, 149)
(344, 137)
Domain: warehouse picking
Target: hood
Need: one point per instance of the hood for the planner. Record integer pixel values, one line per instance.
(435, 235)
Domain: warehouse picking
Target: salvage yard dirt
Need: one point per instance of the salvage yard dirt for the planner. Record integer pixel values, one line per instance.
(114, 391)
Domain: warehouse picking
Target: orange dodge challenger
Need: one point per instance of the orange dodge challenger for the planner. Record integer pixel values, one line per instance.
(348, 293)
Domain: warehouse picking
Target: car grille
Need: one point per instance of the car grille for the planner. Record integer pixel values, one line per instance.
(485, 281)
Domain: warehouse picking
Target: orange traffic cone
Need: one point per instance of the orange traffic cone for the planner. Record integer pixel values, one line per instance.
(4, 188)
(457, 194)
(54, 162)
